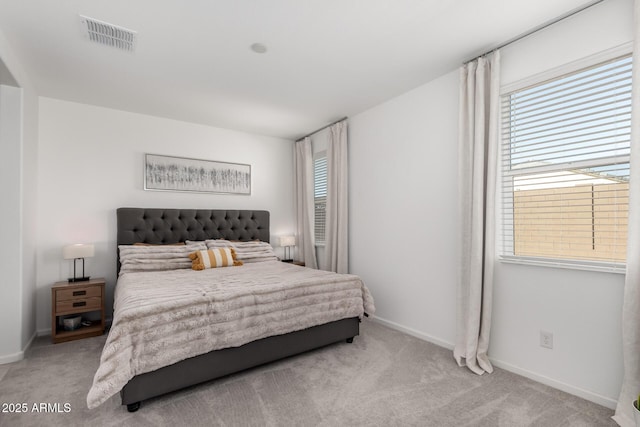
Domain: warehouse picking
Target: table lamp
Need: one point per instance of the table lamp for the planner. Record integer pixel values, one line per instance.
(76, 252)
(287, 242)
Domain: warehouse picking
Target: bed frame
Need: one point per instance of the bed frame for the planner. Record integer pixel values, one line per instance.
(165, 226)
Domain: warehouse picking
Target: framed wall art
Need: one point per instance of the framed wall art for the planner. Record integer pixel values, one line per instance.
(166, 173)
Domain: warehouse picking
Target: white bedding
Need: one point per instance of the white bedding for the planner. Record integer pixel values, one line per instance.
(163, 317)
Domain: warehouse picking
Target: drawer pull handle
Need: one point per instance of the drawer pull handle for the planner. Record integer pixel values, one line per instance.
(78, 293)
(80, 304)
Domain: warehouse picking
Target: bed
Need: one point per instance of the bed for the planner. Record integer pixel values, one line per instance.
(171, 226)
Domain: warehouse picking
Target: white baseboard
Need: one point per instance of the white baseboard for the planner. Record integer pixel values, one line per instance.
(10, 358)
(33, 337)
(16, 357)
(568, 388)
(413, 332)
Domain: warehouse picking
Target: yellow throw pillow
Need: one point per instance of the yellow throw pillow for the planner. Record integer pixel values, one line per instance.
(212, 258)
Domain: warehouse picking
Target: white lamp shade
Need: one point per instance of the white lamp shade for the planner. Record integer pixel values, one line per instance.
(78, 250)
(287, 240)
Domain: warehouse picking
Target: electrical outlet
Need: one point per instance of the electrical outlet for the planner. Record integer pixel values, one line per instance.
(546, 339)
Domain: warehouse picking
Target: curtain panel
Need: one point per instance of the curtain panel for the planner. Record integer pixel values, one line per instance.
(303, 200)
(477, 168)
(630, 307)
(337, 226)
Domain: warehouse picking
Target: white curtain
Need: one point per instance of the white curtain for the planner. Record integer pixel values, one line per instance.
(630, 309)
(478, 152)
(337, 225)
(303, 199)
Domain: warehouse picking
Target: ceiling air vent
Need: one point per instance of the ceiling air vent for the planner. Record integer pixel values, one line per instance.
(109, 34)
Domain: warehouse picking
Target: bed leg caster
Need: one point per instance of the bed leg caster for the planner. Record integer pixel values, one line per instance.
(350, 340)
(133, 407)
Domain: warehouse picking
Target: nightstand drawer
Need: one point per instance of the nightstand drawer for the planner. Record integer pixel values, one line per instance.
(72, 294)
(84, 304)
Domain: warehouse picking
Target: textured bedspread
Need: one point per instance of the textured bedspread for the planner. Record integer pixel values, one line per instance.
(163, 317)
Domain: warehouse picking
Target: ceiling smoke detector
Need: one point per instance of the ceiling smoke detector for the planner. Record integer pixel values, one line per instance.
(258, 48)
(109, 34)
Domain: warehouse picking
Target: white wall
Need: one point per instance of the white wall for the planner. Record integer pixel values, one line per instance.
(19, 196)
(403, 185)
(91, 162)
(403, 207)
(29, 192)
(582, 309)
(10, 220)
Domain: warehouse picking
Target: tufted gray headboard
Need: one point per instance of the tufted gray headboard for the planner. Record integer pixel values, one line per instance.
(163, 226)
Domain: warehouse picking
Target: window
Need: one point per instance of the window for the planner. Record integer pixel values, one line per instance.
(565, 167)
(320, 195)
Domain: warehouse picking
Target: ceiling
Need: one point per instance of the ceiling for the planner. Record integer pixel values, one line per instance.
(326, 58)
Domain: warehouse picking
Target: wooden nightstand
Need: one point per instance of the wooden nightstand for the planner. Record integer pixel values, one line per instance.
(77, 298)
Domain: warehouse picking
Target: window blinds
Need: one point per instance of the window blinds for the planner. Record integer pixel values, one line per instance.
(320, 196)
(565, 166)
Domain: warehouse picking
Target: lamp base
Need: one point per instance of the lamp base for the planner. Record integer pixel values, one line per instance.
(79, 279)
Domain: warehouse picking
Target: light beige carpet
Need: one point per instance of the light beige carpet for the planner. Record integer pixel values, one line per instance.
(385, 378)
